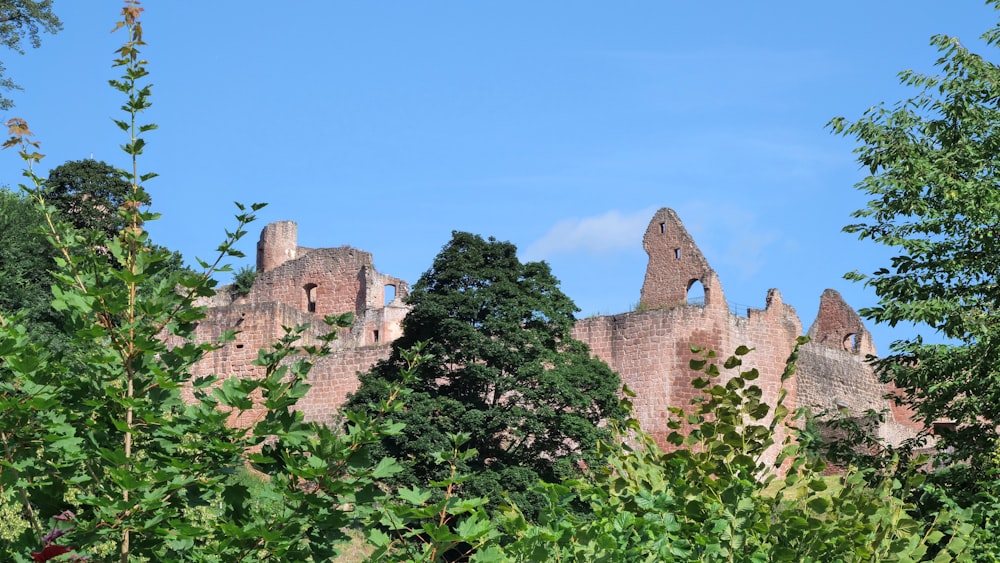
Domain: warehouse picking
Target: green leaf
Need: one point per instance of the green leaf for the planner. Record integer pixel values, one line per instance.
(473, 527)
(386, 467)
(414, 496)
(819, 505)
(378, 538)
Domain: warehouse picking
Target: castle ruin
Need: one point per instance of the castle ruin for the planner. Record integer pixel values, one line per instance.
(650, 348)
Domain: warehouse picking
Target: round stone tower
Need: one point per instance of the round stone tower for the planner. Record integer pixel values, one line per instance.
(279, 242)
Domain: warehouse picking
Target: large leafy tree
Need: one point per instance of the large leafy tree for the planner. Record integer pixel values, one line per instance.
(503, 370)
(933, 163)
(22, 21)
(89, 194)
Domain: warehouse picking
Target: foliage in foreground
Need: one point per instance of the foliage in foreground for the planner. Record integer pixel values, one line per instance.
(103, 457)
(932, 161)
(102, 430)
(716, 498)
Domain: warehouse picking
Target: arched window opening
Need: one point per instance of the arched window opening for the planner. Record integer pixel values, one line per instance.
(390, 294)
(663, 228)
(310, 297)
(696, 293)
(851, 343)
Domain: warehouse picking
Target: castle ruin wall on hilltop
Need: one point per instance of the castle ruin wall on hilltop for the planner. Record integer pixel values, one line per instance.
(650, 348)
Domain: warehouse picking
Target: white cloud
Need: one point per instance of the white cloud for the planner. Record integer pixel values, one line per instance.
(601, 234)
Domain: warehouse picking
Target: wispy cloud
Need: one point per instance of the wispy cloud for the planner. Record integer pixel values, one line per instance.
(613, 231)
(730, 237)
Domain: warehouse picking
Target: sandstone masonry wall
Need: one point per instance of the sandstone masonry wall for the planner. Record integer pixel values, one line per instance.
(836, 377)
(649, 348)
(334, 377)
(651, 351)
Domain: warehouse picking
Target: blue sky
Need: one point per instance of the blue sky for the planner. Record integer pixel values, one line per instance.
(560, 126)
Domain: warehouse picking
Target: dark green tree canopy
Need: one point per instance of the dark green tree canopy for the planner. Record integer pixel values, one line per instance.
(22, 21)
(26, 260)
(933, 163)
(504, 370)
(89, 194)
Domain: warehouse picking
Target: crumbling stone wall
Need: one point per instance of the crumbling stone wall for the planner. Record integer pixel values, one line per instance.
(278, 244)
(835, 377)
(675, 266)
(649, 348)
(328, 281)
(838, 326)
(298, 286)
(258, 326)
(334, 377)
(323, 282)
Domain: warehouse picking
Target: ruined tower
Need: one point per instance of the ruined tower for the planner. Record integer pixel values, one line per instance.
(838, 326)
(278, 244)
(676, 266)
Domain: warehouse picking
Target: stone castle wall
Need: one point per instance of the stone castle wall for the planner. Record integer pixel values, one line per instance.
(334, 377)
(650, 348)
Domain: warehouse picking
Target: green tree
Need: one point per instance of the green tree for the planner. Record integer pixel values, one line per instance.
(26, 262)
(22, 21)
(933, 163)
(89, 194)
(503, 369)
(85, 191)
(93, 196)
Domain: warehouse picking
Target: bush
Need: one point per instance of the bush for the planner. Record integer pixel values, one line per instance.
(243, 281)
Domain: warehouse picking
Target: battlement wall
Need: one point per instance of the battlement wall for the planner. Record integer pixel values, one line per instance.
(651, 351)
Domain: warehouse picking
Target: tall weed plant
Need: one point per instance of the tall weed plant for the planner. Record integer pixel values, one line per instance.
(101, 456)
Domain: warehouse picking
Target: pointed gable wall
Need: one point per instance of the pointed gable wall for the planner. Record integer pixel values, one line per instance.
(675, 265)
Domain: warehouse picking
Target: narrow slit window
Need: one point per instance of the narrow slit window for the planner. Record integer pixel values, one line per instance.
(375, 335)
(663, 228)
(677, 254)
